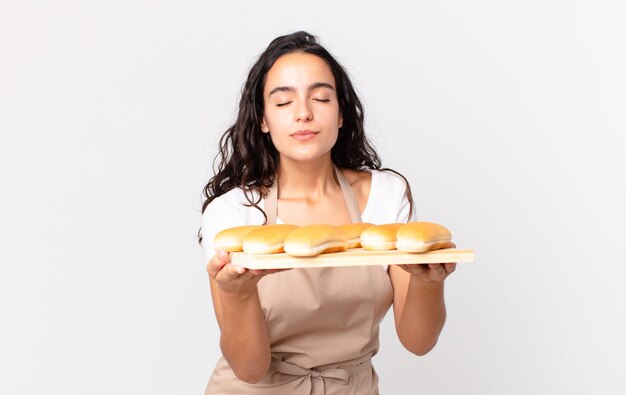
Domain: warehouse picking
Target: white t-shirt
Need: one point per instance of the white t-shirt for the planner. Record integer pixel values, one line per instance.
(387, 203)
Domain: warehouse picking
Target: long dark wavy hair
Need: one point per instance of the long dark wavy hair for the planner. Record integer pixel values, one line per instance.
(247, 157)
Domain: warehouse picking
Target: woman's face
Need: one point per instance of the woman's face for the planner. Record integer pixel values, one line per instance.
(301, 111)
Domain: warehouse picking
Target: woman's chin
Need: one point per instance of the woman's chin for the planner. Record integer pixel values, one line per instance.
(306, 156)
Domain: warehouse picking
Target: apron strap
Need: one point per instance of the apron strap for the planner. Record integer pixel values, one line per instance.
(271, 200)
(316, 377)
(349, 197)
(271, 203)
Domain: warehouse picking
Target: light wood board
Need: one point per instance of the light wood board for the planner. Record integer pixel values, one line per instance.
(352, 257)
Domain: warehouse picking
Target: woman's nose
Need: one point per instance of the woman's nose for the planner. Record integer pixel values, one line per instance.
(303, 111)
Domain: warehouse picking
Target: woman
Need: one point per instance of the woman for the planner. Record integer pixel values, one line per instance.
(298, 154)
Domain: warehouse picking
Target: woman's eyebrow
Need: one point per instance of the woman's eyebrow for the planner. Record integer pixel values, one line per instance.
(282, 89)
(315, 85)
(321, 85)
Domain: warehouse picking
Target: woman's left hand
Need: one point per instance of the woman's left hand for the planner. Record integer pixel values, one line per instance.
(430, 272)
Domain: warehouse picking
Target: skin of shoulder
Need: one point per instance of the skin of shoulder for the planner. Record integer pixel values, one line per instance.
(360, 181)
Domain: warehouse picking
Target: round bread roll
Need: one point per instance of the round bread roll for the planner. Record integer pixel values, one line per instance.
(231, 239)
(380, 237)
(422, 237)
(267, 239)
(354, 233)
(312, 240)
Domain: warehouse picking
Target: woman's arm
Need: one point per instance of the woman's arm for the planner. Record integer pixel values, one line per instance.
(244, 340)
(418, 304)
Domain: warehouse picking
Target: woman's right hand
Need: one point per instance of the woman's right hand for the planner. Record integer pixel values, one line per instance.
(233, 279)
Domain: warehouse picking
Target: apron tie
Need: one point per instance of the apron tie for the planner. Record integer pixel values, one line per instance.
(316, 377)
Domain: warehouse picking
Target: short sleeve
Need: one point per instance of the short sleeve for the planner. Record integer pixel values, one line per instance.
(214, 220)
(227, 211)
(406, 213)
(388, 201)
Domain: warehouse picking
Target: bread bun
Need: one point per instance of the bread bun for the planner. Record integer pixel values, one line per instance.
(422, 236)
(231, 239)
(312, 240)
(267, 239)
(380, 237)
(353, 231)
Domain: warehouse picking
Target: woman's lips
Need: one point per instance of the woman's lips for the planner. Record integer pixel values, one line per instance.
(304, 135)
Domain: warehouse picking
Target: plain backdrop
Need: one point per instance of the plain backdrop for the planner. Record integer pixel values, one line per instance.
(508, 118)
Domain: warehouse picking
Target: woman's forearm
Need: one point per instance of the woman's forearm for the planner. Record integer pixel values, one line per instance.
(244, 340)
(423, 316)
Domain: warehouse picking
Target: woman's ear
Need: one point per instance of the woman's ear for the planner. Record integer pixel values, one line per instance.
(264, 127)
(340, 121)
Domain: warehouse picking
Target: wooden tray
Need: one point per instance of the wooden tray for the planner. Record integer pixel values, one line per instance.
(352, 257)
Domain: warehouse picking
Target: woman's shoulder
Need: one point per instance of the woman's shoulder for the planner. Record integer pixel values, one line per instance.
(373, 179)
(389, 181)
(234, 207)
(226, 211)
(359, 180)
(380, 193)
(235, 198)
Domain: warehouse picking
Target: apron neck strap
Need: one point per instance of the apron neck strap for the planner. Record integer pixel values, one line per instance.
(271, 200)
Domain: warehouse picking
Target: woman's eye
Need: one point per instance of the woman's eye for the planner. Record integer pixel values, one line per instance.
(322, 100)
(282, 104)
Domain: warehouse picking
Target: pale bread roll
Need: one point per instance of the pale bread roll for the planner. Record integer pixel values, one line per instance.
(312, 240)
(422, 237)
(267, 239)
(231, 239)
(354, 233)
(380, 237)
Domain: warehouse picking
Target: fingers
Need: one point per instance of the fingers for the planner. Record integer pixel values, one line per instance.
(265, 272)
(450, 267)
(442, 270)
(257, 272)
(234, 271)
(219, 265)
(438, 270)
(216, 263)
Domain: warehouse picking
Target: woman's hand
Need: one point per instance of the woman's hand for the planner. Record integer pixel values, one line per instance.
(234, 279)
(244, 338)
(431, 272)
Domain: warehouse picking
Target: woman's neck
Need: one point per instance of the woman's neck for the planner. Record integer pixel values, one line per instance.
(310, 180)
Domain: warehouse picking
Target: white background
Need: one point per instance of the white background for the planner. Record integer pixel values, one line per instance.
(508, 118)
